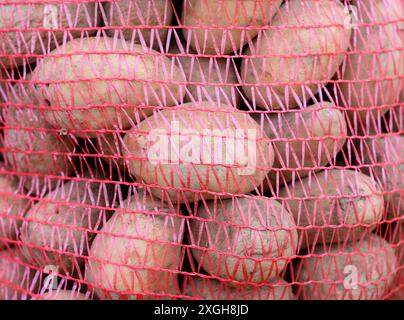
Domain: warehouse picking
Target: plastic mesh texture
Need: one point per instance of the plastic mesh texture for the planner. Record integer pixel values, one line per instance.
(200, 149)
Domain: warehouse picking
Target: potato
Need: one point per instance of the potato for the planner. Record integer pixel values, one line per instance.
(110, 144)
(360, 270)
(138, 252)
(208, 25)
(209, 79)
(210, 289)
(308, 138)
(383, 156)
(32, 146)
(13, 206)
(17, 280)
(372, 72)
(243, 238)
(59, 229)
(287, 66)
(151, 15)
(333, 206)
(201, 153)
(105, 91)
(63, 295)
(54, 20)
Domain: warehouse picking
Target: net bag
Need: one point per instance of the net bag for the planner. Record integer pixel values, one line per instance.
(200, 149)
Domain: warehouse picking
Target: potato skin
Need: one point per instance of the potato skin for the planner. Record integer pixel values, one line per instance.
(384, 155)
(14, 272)
(371, 257)
(202, 14)
(206, 174)
(145, 79)
(243, 238)
(33, 15)
(374, 76)
(322, 120)
(31, 144)
(199, 288)
(333, 206)
(215, 78)
(132, 13)
(139, 250)
(321, 58)
(65, 220)
(12, 203)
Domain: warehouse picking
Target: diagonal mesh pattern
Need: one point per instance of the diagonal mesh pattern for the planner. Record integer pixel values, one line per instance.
(200, 149)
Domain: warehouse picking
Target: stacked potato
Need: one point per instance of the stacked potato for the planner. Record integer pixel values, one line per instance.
(200, 149)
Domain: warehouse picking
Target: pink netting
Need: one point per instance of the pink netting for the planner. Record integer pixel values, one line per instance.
(201, 149)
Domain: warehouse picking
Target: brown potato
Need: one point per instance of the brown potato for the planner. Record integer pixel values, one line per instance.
(13, 206)
(105, 91)
(373, 69)
(208, 24)
(243, 239)
(17, 280)
(309, 138)
(32, 146)
(209, 79)
(21, 46)
(199, 153)
(152, 15)
(360, 270)
(199, 288)
(383, 156)
(333, 206)
(287, 66)
(138, 252)
(59, 229)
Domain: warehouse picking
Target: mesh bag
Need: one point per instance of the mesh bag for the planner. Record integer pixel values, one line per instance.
(201, 149)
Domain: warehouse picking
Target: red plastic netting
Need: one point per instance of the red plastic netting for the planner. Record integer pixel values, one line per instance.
(201, 149)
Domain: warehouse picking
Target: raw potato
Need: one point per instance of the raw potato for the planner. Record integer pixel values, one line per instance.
(65, 220)
(322, 48)
(97, 99)
(210, 289)
(36, 14)
(17, 281)
(32, 146)
(384, 154)
(242, 238)
(370, 258)
(323, 128)
(201, 19)
(13, 207)
(374, 75)
(110, 144)
(63, 295)
(151, 15)
(333, 206)
(214, 78)
(208, 162)
(140, 256)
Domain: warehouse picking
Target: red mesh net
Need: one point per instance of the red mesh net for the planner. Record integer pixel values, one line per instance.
(200, 149)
